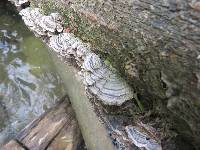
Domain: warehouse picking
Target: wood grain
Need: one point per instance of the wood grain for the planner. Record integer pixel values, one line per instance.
(57, 129)
(12, 145)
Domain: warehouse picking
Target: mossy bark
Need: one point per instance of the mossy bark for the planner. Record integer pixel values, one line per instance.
(153, 44)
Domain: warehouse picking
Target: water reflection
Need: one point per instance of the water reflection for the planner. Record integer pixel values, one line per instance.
(29, 83)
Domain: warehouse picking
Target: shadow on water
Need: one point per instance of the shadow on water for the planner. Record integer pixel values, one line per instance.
(29, 83)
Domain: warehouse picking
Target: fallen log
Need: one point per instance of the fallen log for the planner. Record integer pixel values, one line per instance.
(154, 44)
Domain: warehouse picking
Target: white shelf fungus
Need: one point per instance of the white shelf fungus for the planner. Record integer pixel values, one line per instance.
(104, 83)
(18, 2)
(51, 23)
(67, 45)
(41, 24)
(141, 139)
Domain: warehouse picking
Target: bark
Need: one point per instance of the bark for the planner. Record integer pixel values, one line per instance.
(153, 44)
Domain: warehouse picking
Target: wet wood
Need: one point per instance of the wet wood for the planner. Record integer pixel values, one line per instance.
(69, 134)
(13, 145)
(56, 129)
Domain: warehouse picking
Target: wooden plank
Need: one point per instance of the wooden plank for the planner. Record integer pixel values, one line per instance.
(55, 130)
(12, 145)
(67, 138)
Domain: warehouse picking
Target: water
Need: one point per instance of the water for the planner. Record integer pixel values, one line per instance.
(29, 83)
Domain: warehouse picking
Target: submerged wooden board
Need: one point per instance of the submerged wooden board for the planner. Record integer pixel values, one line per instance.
(56, 129)
(13, 145)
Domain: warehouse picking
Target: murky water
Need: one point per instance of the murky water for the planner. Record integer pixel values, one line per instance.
(29, 83)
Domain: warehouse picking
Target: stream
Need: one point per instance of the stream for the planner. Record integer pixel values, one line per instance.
(29, 83)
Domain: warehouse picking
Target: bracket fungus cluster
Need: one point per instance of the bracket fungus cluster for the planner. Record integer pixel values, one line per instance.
(18, 2)
(66, 45)
(41, 24)
(106, 85)
(141, 139)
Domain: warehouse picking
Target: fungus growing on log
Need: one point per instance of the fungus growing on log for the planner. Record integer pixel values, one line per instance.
(67, 45)
(98, 78)
(18, 2)
(51, 23)
(56, 42)
(141, 139)
(41, 24)
(104, 83)
(31, 17)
